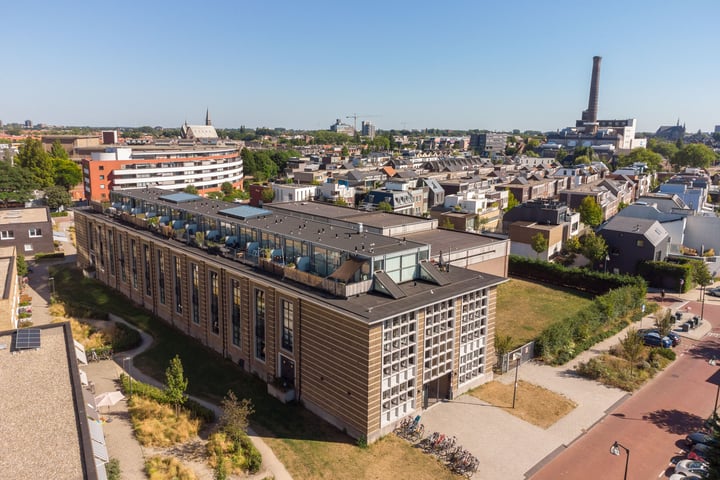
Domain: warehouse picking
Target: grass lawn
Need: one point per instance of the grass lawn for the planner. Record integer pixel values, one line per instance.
(533, 404)
(525, 308)
(307, 445)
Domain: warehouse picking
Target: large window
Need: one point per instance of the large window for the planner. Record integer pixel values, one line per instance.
(7, 235)
(133, 263)
(260, 324)
(177, 274)
(214, 304)
(111, 252)
(161, 275)
(123, 273)
(35, 232)
(286, 311)
(195, 275)
(147, 266)
(236, 313)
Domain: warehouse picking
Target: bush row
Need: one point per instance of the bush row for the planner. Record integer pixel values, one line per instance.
(667, 275)
(154, 393)
(580, 279)
(607, 315)
(42, 256)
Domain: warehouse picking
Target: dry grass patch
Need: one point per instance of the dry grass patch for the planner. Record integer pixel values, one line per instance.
(156, 425)
(525, 308)
(87, 335)
(168, 468)
(533, 403)
(390, 458)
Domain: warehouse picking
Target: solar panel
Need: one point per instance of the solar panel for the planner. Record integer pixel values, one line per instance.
(27, 338)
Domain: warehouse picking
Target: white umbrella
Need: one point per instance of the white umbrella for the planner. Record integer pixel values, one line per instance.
(108, 399)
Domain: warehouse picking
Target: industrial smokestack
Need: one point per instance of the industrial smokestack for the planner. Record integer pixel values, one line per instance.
(590, 115)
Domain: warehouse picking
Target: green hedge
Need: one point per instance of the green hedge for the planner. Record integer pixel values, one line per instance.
(584, 280)
(608, 314)
(667, 275)
(43, 256)
(154, 393)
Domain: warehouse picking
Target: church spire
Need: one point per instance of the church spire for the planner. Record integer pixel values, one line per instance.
(208, 122)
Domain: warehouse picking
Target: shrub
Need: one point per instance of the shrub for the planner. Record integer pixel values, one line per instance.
(155, 423)
(125, 338)
(154, 393)
(238, 455)
(167, 468)
(112, 469)
(25, 323)
(44, 256)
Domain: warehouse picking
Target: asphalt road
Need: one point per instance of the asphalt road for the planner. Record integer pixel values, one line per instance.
(653, 422)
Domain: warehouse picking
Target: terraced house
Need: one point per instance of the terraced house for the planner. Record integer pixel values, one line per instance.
(361, 327)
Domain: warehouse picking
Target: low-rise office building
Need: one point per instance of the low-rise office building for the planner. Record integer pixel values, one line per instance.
(360, 327)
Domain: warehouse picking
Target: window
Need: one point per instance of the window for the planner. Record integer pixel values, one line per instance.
(260, 325)
(28, 247)
(102, 186)
(236, 313)
(194, 274)
(287, 325)
(214, 308)
(111, 252)
(161, 275)
(640, 243)
(7, 235)
(35, 232)
(102, 177)
(123, 274)
(133, 263)
(177, 274)
(147, 265)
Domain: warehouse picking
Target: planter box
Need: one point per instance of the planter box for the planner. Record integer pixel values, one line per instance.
(284, 396)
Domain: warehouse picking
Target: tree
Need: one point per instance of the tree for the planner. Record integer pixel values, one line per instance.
(344, 152)
(340, 202)
(36, 160)
(572, 245)
(581, 160)
(590, 212)
(235, 415)
(539, 243)
(22, 266)
(227, 188)
(191, 189)
(385, 206)
(175, 384)
(66, 173)
(57, 196)
(512, 201)
(653, 160)
(694, 155)
(57, 151)
(632, 347)
(666, 149)
(664, 322)
(594, 247)
(16, 184)
(267, 195)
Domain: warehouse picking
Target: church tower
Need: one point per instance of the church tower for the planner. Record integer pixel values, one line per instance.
(208, 122)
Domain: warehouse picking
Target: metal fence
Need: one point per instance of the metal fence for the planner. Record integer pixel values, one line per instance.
(523, 354)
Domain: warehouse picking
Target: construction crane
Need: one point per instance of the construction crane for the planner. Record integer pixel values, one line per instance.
(355, 116)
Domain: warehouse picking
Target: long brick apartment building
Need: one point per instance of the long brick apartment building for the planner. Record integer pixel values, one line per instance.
(362, 328)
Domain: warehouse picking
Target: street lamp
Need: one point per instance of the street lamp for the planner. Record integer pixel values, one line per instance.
(607, 259)
(615, 450)
(51, 283)
(516, 356)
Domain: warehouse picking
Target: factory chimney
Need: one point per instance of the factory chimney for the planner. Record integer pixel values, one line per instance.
(589, 116)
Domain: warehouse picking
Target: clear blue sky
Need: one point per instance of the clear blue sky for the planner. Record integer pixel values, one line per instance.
(413, 64)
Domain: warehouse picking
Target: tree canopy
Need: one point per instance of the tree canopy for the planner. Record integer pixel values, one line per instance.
(652, 159)
(693, 155)
(57, 196)
(176, 384)
(33, 157)
(539, 243)
(666, 149)
(16, 184)
(594, 247)
(590, 212)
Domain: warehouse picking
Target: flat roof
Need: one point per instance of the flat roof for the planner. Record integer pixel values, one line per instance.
(448, 241)
(23, 215)
(40, 424)
(180, 197)
(243, 212)
(367, 307)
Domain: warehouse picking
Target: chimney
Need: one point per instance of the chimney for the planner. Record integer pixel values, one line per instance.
(589, 116)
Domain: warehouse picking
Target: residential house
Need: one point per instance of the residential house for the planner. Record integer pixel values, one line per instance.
(29, 230)
(633, 240)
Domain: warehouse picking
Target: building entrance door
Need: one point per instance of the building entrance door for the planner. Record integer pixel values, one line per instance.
(287, 371)
(437, 390)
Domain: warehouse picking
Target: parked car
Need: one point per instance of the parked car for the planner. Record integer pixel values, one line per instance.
(682, 476)
(700, 437)
(654, 339)
(714, 292)
(674, 337)
(699, 452)
(691, 467)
